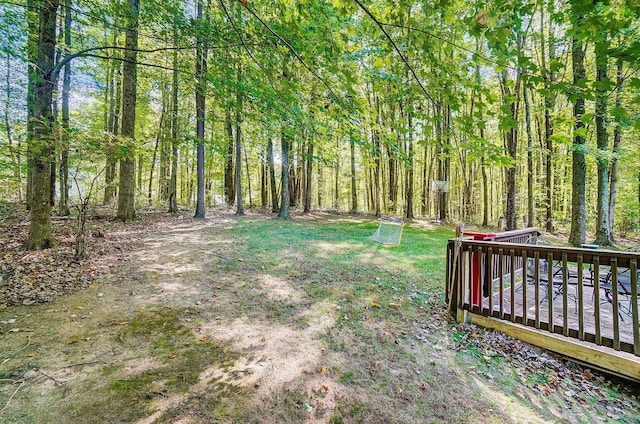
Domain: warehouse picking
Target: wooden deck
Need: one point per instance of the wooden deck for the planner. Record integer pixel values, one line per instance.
(587, 297)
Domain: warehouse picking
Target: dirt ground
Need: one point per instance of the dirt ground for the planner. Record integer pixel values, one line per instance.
(184, 329)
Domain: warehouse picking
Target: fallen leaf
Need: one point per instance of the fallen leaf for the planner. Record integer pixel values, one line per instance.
(120, 323)
(375, 305)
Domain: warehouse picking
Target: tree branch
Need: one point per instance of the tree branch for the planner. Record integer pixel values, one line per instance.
(290, 47)
(87, 53)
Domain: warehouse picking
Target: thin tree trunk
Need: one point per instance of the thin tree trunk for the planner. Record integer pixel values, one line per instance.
(354, 187)
(578, 210)
(549, 107)
(336, 182)
(603, 235)
(32, 58)
(263, 181)
(246, 164)
(155, 152)
(307, 190)
(617, 139)
(409, 183)
(272, 177)
(63, 205)
(173, 186)
(229, 187)
(284, 203)
(511, 137)
(115, 103)
(201, 70)
(239, 204)
(320, 185)
(530, 204)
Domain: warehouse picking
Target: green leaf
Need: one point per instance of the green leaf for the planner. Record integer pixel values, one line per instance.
(580, 132)
(587, 118)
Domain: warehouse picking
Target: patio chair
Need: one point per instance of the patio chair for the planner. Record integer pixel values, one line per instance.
(624, 289)
(543, 273)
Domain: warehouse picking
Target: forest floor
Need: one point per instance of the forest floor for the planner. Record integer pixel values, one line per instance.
(250, 319)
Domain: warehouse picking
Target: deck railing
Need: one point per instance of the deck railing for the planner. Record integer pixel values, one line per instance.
(590, 295)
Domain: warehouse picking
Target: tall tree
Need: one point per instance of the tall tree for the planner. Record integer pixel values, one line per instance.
(579, 167)
(284, 186)
(42, 144)
(201, 70)
(64, 148)
(126, 191)
(272, 177)
(617, 139)
(173, 184)
(33, 46)
(229, 187)
(239, 202)
(603, 234)
(308, 179)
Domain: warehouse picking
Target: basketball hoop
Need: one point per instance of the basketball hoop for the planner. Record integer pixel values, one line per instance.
(440, 186)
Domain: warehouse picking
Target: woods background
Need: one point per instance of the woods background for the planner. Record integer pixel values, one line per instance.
(528, 108)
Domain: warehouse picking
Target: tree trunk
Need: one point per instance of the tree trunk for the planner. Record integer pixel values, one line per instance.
(512, 100)
(336, 181)
(309, 171)
(201, 70)
(272, 177)
(239, 203)
(173, 186)
(354, 187)
(155, 151)
(549, 107)
(424, 195)
(284, 203)
(229, 190)
(32, 58)
(264, 167)
(578, 210)
(126, 192)
(409, 183)
(530, 204)
(617, 139)
(40, 236)
(63, 205)
(320, 185)
(603, 235)
(115, 97)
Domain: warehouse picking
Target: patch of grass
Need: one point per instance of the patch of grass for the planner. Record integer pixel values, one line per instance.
(160, 332)
(346, 377)
(302, 322)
